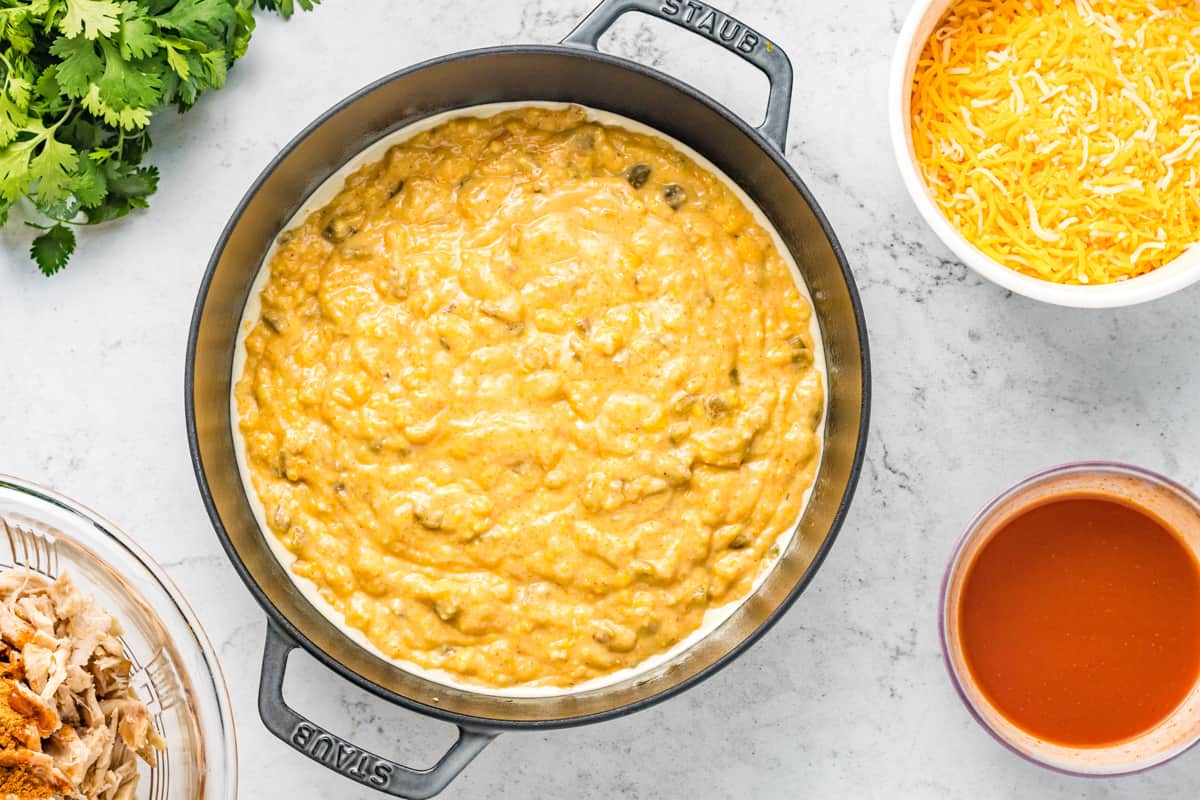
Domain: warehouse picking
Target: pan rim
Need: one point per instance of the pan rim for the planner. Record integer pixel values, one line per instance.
(280, 621)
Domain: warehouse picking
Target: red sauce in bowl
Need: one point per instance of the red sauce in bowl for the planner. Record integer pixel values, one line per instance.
(1079, 620)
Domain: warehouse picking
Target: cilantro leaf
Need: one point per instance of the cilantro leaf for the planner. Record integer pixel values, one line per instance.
(51, 100)
(128, 189)
(123, 119)
(93, 18)
(214, 69)
(16, 28)
(139, 35)
(178, 62)
(52, 249)
(199, 19)
(132, 184)
(92, 186)
(14, 105)
(127, 84)
(80, 66)
(37, 163)
(287, 7)
(52, 170)
(15, 95)
(15, 177)
(19, 89)
(12, 119)
(241, 34)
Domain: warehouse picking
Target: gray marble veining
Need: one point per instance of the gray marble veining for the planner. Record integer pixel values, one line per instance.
(974, 388)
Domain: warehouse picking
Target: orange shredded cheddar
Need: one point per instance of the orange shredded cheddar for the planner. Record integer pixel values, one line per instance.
(1062, 137)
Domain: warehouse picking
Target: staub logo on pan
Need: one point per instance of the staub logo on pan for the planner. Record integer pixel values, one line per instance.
(712, 22)
(341, 756)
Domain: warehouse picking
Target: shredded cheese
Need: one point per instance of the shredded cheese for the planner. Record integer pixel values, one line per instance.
(1062, 137)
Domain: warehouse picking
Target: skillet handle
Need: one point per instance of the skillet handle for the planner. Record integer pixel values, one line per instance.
(716, 26)
(339, 755)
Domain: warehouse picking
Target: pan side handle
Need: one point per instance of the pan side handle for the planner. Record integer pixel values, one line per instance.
(719, 28)
(339, 755)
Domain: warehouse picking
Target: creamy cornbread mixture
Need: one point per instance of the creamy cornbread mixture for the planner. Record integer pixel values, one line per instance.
(528, 397)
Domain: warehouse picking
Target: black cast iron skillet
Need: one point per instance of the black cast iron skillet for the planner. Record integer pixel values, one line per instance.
(576, 72)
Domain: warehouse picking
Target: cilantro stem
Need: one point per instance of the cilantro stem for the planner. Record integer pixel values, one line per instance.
(62, 119)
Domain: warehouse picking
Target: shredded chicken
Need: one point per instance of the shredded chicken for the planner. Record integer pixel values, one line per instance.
(71, 725)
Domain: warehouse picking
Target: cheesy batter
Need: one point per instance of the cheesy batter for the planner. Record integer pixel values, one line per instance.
(528, 397)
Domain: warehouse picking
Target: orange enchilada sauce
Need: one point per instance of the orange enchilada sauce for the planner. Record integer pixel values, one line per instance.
(1080, 621)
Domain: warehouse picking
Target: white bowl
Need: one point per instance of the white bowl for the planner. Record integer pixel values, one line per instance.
(1171, 277)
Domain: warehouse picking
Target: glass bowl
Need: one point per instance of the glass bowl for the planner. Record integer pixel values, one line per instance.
(1153, 493)
(175, 669)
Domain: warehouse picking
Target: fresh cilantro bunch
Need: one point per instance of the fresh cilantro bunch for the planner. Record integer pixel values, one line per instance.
(79, 82)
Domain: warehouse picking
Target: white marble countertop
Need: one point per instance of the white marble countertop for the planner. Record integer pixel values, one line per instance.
(973, 388)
